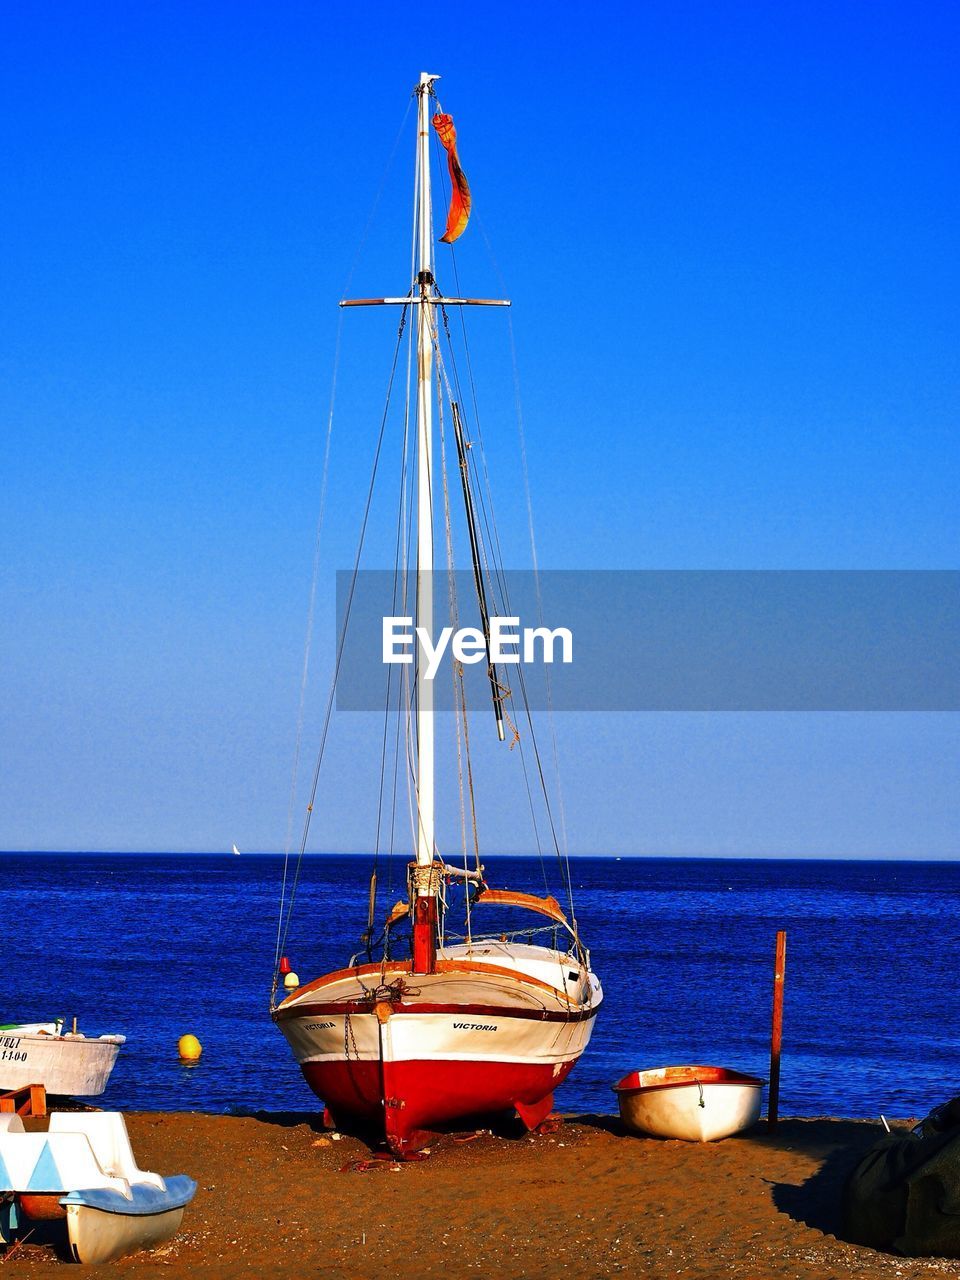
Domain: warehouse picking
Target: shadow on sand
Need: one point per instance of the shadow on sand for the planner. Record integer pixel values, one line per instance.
(506, 1125)
(840, 1144)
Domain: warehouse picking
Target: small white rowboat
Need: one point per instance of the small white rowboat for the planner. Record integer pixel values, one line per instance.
(694, 1104)
(65, 1063)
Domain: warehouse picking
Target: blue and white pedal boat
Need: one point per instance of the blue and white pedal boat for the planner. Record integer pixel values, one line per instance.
(83, 1170)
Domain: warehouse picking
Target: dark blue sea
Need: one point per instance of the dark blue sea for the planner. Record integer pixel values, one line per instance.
(155, 946)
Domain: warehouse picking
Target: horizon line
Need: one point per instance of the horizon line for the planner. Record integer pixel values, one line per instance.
(614, 857)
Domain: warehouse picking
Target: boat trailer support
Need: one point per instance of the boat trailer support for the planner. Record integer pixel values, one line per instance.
(29, 1100)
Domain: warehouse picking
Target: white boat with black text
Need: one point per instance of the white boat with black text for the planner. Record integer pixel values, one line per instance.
(66, 1063)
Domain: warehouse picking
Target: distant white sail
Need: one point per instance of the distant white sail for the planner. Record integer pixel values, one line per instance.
(236, 851)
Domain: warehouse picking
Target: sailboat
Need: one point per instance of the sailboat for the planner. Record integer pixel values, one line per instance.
(463, 1025)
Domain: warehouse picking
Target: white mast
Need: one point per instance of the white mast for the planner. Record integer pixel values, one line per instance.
(426, 877)
(425, 746)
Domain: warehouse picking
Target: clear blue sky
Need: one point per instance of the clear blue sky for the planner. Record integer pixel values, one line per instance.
(730, 235)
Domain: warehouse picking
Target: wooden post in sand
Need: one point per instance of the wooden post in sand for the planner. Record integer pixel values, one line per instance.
(776, 1034)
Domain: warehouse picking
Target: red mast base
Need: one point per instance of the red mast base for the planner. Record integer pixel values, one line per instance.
(425, 935)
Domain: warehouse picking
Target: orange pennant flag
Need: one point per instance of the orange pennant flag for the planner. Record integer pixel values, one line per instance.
(459, 213)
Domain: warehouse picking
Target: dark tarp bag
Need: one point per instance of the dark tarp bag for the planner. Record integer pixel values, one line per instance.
(904, 1195)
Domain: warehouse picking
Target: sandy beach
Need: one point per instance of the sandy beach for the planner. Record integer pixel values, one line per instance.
(278, 1196)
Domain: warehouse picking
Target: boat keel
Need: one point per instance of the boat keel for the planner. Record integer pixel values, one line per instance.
(533, 1114)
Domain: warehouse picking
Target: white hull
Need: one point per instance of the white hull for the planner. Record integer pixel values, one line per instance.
(96, 1236)
(71, 1065)
(450, 1034)
(692, 1104)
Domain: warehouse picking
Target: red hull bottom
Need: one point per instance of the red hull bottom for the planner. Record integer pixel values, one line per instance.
(410, 1100)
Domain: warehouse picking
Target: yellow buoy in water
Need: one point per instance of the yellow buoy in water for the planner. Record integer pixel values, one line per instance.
(290, 980)
(189, 1048)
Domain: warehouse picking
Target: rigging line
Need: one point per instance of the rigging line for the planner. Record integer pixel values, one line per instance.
(487, 520)
(496, 552)
(456, 668)
(563, 860)
(469, 363)
(505, 596)
(413, 798)
(410, 676)
(536, 581)
(393, 799)
(401, 552)
(386, 709)
(460, 686)
(451, 583)
(533, 815)
(300, 717)
(402, 705)
(409, 716)
(410, 770)
(477, 544)
(493, 538)
(411, 444)
(393, 786)
(343, 635)
(413, 792)
(500, 574)
(563, 857)
(461, 706)
(498, 577)
(476, 556)
(308, 641)
(413, 780)
(483, 454)
(400, 545)
(498, 561)
(403, 685)
(473, 802)
(376, 199)
(383, 744)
